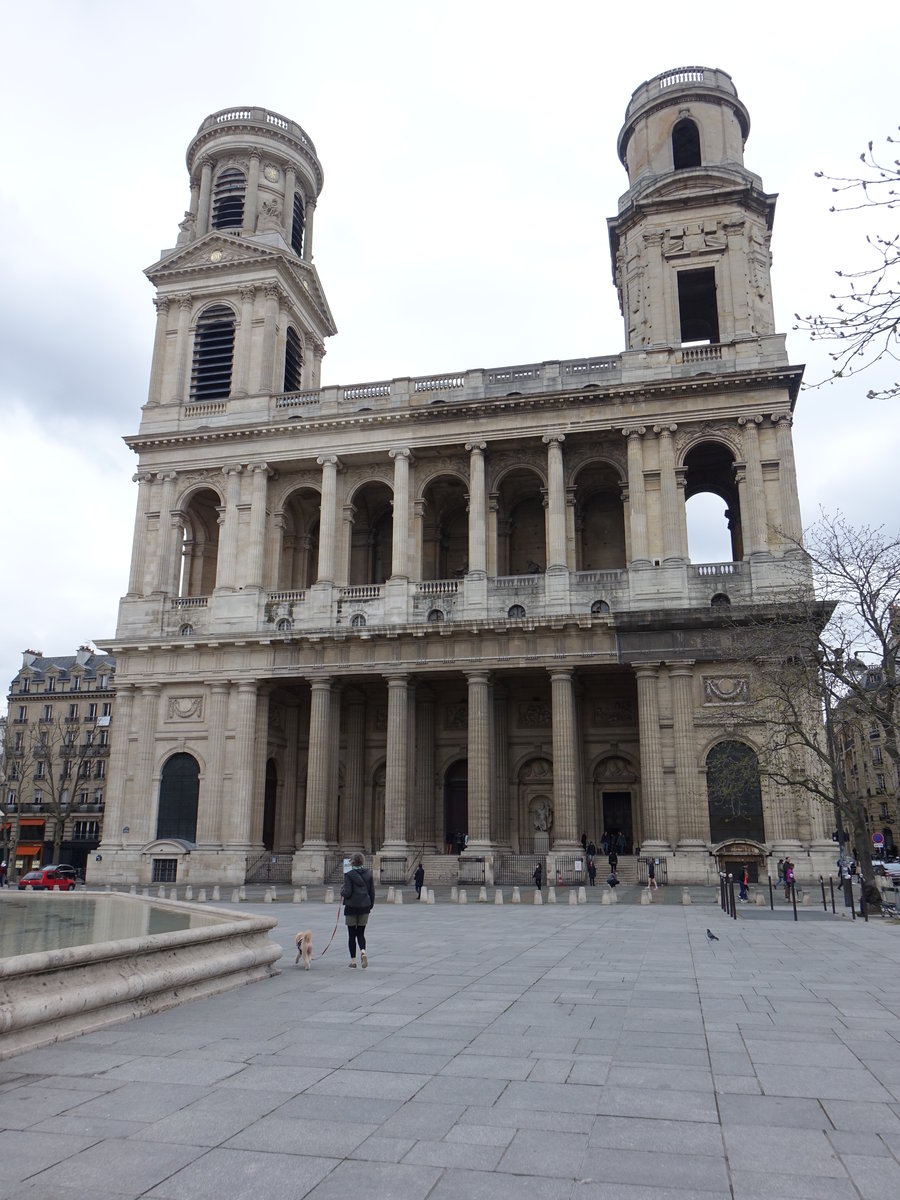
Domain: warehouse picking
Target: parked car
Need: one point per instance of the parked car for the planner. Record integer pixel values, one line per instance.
(890, 869)
(47, 879)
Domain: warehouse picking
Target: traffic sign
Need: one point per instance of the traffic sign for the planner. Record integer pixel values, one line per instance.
(878, 838)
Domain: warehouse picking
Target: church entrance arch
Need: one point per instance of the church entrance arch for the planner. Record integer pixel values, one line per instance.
(456, 804)
(615, 783)
(179, 790)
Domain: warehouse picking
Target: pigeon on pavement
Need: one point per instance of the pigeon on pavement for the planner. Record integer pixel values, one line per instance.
(712, 937)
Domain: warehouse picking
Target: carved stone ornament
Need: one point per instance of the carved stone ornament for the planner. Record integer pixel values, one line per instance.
(726, 689)
(534, 715)
(456, 716)
(614, 768)
(185, 708)
(541, 814)
(381, 718)
(537, 770)
(614, 712)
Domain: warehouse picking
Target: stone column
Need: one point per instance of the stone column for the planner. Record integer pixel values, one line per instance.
(791, 522)
(165, 551)
(425, 768)
(290, 186)
(330, 465)
(240, 374)
(286, 813)
(206, 166)
(226, 566)
(158, 368)
(209, 818)
(655, 835)
(310, 212)
(659, 333)
(136, 584)
(182, 348)
(259, 473)
(673, 549)
(396, 779)
(318, 764)
(265, 381)
(236, 826)
(556, 501)
(692, 822)
(144, 822)
(637, 499)
(400, 525)
(477, 511)
(681, 508)
(500, 832)
(753, 519)
(251, 198)
(565, 759)
(118, 766)
(354, 778)
(479, 781)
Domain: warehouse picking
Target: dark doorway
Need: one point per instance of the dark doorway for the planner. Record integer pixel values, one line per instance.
(179, 789)
(697, 307)
(456, 804)
(685, 145)
(268, 829)
(734, 793)
(617, 817)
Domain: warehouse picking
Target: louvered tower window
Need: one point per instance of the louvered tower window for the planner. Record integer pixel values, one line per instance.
(228, 200)
(293, 361)
(297, 225)
(213, 354)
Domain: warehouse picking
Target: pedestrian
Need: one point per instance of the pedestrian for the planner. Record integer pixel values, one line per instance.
(604, 842)
(358, 894)
(460, 842)
(620, 842)
(788, 878)
(592, 871)
(592, 849)
(584, 842)
(419, 879)
(613, 860)
(745, 880)
(537, 877)
(2, 874)
(780, 872)
(651, 875)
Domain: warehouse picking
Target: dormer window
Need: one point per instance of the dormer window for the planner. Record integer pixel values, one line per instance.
(293, 361)
(25, 685)
(228, 199)
(299, 217)
(75, 685)
(685, 145)
(51, 683)
(213, 354)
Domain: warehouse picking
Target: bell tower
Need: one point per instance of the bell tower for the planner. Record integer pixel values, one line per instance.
(690, 243)
(240, 309)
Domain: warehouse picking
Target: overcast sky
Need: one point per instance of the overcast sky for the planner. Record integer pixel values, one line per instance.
(470, 164)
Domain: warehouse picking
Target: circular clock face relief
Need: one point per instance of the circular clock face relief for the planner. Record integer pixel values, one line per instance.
(216, 256)
(271, 173)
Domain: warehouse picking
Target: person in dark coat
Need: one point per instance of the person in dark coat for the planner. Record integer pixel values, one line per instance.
(592, 871)
(419, 879)
(538, 876)
(592, 849)
(358, 894)
(613, 860)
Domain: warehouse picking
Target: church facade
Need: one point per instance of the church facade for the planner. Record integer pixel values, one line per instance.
(391, 616)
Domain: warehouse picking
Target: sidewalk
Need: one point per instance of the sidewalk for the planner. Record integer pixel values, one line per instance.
(555, 1053)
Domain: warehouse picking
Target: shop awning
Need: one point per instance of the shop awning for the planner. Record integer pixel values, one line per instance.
(27, 850)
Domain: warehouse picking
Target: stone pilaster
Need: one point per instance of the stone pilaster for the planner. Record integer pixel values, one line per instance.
(637, 498)
(240, 372)
(396, 784)
(318, 764)
(226, 565)
(259, 473)
(400, 542)
(674, 551)
(655, 835)
(182, 347)
(330, 465)
(136, 577)
(287, 208)
(165, 550)
(565, 758)
(556, 502)
(160, 340)
(265, 381)
(791, 523)
(240, 802)
(251, 197)
(144, 828)
(210, 815)
(477, 511)
(118, 767)
(754, 514)
(692, 821)
(308, 235)
(479, 765)
(206, 167)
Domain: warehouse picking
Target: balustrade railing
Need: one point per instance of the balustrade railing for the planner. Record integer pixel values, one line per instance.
(189, 601)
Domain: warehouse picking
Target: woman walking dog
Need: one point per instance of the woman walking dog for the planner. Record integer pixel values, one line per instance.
(358, 893)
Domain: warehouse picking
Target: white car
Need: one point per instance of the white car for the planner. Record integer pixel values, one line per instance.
(891, 869)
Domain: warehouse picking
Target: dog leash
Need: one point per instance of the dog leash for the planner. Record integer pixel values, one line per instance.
(334, 931)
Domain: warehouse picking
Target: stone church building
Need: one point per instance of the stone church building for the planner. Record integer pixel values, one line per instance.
(387, 616)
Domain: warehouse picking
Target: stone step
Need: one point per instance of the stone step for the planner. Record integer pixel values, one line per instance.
(441, 870)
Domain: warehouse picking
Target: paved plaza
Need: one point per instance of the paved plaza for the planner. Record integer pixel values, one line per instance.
(591, 1053)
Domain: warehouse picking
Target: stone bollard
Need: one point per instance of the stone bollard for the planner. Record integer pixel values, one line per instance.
(606, 898)
(390, 895)
(108, 888)
(423, 895)
(188, 892)
(132, 891)
(274, 892)
(243, 893)
(173, 895)
(516, 897)
(482, 895)
(303, 894)
(645, 897)
(431, 896)
(613, 896)
(201, 896)
(463, 896)
(760, 900)
(573, 897)
(216, 894)
(685, 896)
(398, 896)
(295, 899)
(267, 898)
(538, 898)
(551, 895)
(807, 899)
(235, 895)
(329, 895)
(454, 894)
(582, 895)
(145, 891)
(498, 896)
(161, 892)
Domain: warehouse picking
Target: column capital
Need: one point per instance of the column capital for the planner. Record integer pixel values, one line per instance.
(682, 668)
(232, 469)
(330, 460)
(646, 670)
(400, 452)
(476, 447)
(396, 678)
(782, 418)
(142, 477)
(634, 431)
(207, 161)
(161, 303)
(255, 153)
(248, 292)
(553, 439)
(125, 690)
(665, 430)
(754, 419)
(150, 689)
(561, 672)
(184, 300)
(167, 476)
(478, 676)
(257, 467)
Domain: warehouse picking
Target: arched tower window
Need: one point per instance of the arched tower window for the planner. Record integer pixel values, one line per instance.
(179, 789)
(297, 223)
(213, 354)
(293, 361)
(685, 145)
(228, 199)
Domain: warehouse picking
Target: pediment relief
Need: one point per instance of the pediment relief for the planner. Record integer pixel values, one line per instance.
(213, 251)
(169, 847)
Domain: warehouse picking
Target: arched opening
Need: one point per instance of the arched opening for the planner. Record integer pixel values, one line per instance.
(298, 220)
(698, 309)
(200, 545)
(516, 612)
(293, 361)
(720, 600)
(269, 804)
(685, 145)
(599, 520)
(714, 534)
(734, 794)
(213, 354)
(179, 790)
(228, 199)
(435, 616)
(600, 608)
(370, 539)
(299, 541)
(521, 525)
(445, 529)
(456, 805)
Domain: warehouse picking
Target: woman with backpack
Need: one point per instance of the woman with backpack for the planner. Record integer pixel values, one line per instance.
(358, 893)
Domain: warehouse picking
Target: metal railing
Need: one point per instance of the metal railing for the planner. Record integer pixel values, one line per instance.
(661, 872)
(393, 870)
(471, 870)
(514, 869)
(269, 868)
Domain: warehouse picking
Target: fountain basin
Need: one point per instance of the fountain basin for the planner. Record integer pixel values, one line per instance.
(56, 993)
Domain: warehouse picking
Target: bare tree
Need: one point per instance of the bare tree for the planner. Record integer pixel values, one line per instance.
(866, 317)
(828, 653)
(16, 767)
(65, 761)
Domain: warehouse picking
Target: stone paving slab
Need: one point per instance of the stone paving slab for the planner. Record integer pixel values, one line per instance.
(553, 1053)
